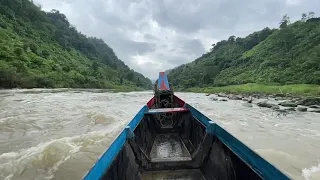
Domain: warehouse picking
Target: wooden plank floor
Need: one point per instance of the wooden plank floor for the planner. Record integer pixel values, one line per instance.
(189, 174)
(168, 148)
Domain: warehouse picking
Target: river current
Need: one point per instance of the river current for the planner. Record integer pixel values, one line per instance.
(59, 134)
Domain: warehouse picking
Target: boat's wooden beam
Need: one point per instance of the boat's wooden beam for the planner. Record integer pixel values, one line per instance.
(166, 110)
(211, 128)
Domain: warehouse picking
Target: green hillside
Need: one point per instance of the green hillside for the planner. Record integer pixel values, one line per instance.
(288, 55)
(42, 49)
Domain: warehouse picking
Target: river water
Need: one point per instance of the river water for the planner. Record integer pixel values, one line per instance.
(59, 134)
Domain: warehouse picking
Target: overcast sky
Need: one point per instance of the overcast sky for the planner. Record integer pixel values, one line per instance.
(157, 35)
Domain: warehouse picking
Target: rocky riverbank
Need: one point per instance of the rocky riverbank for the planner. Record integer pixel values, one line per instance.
(281, 103)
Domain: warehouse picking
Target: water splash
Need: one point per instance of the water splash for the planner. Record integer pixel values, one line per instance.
(311, 173)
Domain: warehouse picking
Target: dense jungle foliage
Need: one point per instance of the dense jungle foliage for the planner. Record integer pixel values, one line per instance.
(42, 49)
(288, 55)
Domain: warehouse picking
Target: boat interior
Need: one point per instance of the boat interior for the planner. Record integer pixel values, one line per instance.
(182, 151)
(169, 143)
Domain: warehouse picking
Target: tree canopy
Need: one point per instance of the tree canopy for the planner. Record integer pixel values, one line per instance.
(289, 55)
(42, 49)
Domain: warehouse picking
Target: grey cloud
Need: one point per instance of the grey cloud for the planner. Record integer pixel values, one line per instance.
(217, 15)
(127, 48)
(168, 33)
(221, 15)
(150, 37)
(192, 46)
(132, 47)
(143, 47)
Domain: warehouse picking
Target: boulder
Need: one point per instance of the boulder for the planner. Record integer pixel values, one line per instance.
(314, 106)
(310, 101)
(234, 97)
(281, 111)
(275, 107)
(213, 98)
(249, 100)
(222, 95)
(279, 95)
(265, 104)
(207, 94)
(302, 109)
(259, 96)
(288, 104)
(290, 109)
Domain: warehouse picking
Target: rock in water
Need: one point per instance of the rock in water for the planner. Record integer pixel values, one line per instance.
(290, 109)
(302, 109)
(247, 99)
(310, 101)
(314, 106)
(315, 110)
(233, 97)
(279, 95)
(264, 104)
(288, 104)
(275, 107)
(213, 99)
(221, 95)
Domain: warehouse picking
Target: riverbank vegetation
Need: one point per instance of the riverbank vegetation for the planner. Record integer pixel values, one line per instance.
(285, 56)
(43, 50)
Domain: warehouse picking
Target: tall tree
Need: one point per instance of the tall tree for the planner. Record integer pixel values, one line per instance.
(311, 15)
(304, 17)
(285, 21)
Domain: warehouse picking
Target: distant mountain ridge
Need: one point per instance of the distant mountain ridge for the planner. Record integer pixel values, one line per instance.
(42, 49)
(289, 55)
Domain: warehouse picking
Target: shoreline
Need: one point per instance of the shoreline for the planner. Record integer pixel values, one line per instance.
(295, 90)
(282, 99)
(57, 90)
(120, 88)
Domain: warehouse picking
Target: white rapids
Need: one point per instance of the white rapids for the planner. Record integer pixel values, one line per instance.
(59, 134)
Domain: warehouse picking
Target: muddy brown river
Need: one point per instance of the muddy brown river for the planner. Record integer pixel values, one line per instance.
(59, 134)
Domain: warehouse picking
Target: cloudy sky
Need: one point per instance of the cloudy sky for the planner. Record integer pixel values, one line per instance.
(157, 35)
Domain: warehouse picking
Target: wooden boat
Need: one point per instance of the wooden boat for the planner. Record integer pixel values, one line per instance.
(169, 139)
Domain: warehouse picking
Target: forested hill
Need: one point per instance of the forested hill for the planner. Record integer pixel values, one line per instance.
(42, 49)
(288, 55)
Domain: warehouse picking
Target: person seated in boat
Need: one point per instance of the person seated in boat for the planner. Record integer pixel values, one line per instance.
(155, 89)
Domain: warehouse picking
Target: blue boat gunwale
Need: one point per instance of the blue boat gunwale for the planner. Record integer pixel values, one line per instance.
(105, 160)
(242, 151)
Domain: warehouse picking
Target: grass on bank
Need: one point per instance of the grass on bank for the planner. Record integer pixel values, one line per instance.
(295, 89)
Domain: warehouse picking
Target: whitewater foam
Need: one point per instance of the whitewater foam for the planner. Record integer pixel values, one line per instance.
(60, 135)
(50, 155)
(311, 173)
